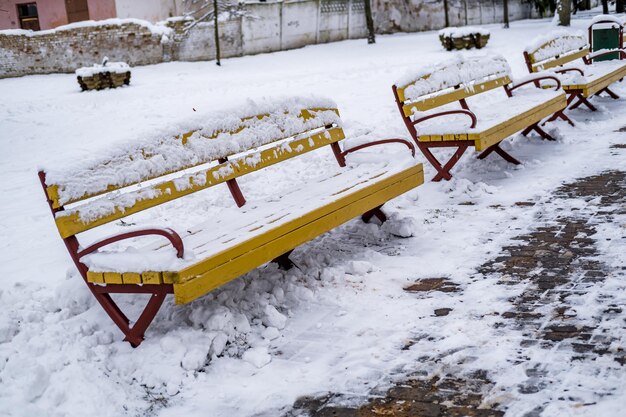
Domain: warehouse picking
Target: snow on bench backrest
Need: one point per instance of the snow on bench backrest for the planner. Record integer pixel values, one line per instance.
(556, 48)
(451, 80)
(301, 125)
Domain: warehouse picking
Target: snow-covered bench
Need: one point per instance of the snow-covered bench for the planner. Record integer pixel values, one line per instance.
(581, 79)
(427, 100)
(193, 261)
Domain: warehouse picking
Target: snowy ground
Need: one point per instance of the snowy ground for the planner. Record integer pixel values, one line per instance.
(337, 323)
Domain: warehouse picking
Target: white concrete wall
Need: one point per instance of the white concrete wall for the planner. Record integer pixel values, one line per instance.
(260, 29)
(299, 23)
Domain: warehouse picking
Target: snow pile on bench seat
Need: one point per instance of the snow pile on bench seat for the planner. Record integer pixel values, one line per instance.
(151, 157)
(460, 70)
(592, 72)
(556, 43)
(116, 67)
(237, 225)
(457, 32)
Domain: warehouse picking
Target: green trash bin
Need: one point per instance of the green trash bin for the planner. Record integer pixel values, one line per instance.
(606, 32)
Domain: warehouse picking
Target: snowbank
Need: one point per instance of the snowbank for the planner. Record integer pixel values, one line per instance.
(155, 29)
(463, 31)
(116, 67)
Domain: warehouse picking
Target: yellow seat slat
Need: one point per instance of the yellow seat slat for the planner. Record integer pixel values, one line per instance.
(520, 122)
(506, 128)
(243, 247)
(312, 225)
(452, 96)
(561, 60)
(601, 83)
(72, 224)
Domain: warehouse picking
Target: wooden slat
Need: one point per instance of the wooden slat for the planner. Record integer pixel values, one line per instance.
(455, 95)
(95, 277)
(456, 136)
(322, 222)
(131, 278)
(71, 224)
(272, 234)
(112, 278)
(559, 60)
(504, 130)
(52, 190)
(151, 278)
(601, 83)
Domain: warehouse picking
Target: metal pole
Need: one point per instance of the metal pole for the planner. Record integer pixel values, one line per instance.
(506, 14)
(371, 35)
(217, 34)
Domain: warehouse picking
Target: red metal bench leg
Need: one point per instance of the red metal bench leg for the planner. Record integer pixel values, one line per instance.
(283, 261)
(539, 130)
(136, 333)
(132, 334)
(609, 92)
(497, 149)
(582, 100)
(433, 161)
(559, 115)
(443, 172)
(375, 212)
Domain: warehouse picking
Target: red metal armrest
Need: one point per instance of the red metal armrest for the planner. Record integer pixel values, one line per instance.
(380, 142)
(564, 70)
(445, 113)
(534, 80)
(169, 234)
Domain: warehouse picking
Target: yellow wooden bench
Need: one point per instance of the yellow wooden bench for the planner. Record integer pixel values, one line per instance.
(193, 261)
(427, 101)
(582, 81)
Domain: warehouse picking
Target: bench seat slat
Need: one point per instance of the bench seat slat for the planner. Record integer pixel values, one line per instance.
(598, 76)
(369, 198)
(277, 216)
(538, 114)
(496, 119)
(70, 222)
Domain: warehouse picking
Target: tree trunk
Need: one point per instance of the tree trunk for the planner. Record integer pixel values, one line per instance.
(605, 6)
(619, 6)
(445, 10)
(217, 35)
(563, 8)
(506, 14)
(369, 20)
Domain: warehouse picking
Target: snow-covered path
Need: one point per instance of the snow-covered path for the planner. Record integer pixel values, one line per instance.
(337, 323)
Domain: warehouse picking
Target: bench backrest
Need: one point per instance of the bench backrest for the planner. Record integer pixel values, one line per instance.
(249, 140)
(555, 49)
(449, 81)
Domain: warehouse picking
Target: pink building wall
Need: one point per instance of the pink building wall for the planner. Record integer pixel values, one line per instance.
(52, 13)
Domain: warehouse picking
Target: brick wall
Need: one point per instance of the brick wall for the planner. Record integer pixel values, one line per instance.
(66, 50)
